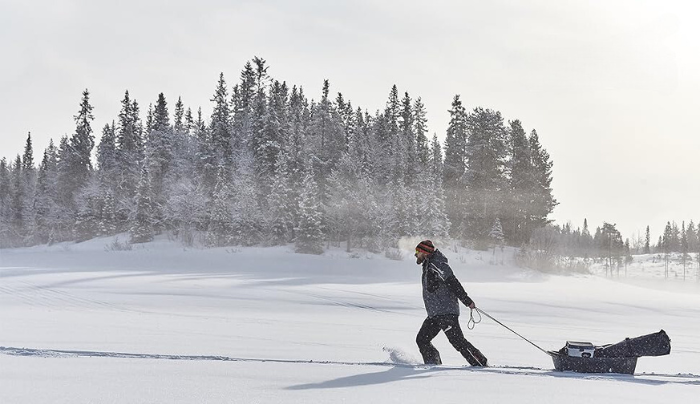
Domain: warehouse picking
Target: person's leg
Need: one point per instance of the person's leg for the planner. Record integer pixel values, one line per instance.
(450, 325)
(427, 332)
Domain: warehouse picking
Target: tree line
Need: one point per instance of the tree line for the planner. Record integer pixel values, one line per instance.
(271, 166)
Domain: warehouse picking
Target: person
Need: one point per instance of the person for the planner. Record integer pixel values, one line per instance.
(441, 290)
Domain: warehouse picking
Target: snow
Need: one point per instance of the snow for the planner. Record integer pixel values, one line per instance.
(165, 324)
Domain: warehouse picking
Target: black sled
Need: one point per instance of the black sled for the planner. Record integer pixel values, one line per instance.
(584, 357)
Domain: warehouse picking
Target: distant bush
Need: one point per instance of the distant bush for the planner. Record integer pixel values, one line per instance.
(118, 246)
(394, 254)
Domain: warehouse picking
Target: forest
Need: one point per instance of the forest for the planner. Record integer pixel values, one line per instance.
(271, 166)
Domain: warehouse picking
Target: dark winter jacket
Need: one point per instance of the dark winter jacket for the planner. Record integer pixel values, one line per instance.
(441, 289)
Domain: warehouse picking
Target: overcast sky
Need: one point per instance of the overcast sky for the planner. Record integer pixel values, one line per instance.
(612, 87)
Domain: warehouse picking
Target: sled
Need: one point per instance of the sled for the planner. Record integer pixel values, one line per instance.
(584, 357)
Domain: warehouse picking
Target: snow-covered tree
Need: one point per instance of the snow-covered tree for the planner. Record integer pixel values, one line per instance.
(141, 230)
(485, 175)
(281, 204)
(455, 165)
(496, 234)
(544, 201)
(309, 231)
(249, 222)
(220, 124)
(220, 231)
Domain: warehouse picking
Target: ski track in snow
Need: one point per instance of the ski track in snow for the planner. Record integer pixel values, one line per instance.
(643, 378)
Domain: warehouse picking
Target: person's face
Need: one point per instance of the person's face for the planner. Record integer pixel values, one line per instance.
(420, 256)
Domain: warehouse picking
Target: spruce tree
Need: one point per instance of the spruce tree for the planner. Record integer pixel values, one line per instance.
(281, 204)
(485, 175)
(45, 197)
(455, 166)
(141, 230)
(496, 236)
(220, 231)
(692, 237)
(249, 221)
(81, 145)
(430, 206)
(420, 128)
(408, 161)
(159, 152)
(5, 186)
(522, 186)
(205, 155)
(17, 203)
(130, 154)
(29, 183)
(89, 203)
(309, 231)
(544, 201)
(647, 242)
(219, 126)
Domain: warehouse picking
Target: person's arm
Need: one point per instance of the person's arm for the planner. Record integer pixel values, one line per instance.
(446, 275)
(459, 291)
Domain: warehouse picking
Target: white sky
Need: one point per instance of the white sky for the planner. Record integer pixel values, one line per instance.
(611, 86)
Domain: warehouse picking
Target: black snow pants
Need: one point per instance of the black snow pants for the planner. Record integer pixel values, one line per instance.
(450, 325)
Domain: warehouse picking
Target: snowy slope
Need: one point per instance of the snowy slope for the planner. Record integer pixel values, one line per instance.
(161, 324)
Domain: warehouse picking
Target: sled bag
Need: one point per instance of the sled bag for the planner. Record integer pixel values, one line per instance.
(656, 344)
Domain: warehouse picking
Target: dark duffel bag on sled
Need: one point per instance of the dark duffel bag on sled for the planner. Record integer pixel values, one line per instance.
(622, 357)
(656, 344)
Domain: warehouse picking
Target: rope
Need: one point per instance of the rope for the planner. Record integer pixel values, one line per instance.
(472, 323)
(506, 327)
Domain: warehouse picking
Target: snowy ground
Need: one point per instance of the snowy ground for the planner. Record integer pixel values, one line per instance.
(161, 324)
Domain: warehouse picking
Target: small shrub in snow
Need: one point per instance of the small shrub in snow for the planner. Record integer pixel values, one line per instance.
(119, 246)
(394, 254)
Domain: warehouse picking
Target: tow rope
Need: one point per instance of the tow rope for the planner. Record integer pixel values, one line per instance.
(472, 323)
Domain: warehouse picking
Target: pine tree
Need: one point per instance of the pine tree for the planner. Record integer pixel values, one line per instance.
(683, 246)
(281, 204)
(248, 218)
(403, 212)
(90, 203)
(647, 242)
(431, 210)
(107, 160)
(205, 156)
(692, 237)
(159, 152)
(5, 206)
(496, 235)
(17, 205)
(326, 138)
(408, 159)
(107, 224)
(243, 101)
(28, 185)
(455, 165)
(420, 128)
(220, 124)
(309, 231)
(675, 238)
(586, 239)
(270, 140)
(220, 231)
(179, 124)
(141, 230)
(544, 201)
(81, 145)
(666, 240)
(130, 154)
(485, 175)
(522, 185)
